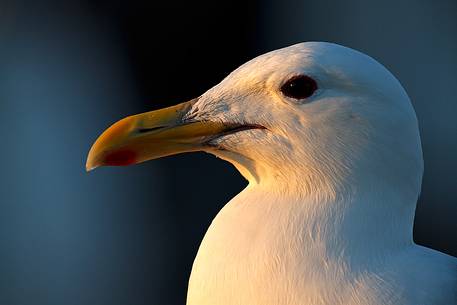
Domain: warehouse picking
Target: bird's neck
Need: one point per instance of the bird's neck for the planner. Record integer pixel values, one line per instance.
(356, 227)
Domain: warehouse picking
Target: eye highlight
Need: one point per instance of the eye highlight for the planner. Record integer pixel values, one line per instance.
(299, 87)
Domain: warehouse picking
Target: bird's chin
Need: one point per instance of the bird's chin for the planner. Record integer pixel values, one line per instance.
(234, 147)
(243, 163)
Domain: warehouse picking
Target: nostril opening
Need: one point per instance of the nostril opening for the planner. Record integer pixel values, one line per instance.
(143, 130)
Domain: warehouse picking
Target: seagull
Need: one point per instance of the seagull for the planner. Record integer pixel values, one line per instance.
(329, 142)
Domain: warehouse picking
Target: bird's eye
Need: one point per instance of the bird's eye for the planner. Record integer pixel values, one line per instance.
(299, 87)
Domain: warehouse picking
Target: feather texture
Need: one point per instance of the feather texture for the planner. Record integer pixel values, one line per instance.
(327, 217)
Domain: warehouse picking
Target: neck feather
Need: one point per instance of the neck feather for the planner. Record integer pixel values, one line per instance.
(359, 225)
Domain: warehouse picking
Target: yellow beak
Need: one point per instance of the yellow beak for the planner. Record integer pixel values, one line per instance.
(151, 135)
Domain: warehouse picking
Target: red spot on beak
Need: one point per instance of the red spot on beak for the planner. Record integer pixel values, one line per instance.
(120, 158)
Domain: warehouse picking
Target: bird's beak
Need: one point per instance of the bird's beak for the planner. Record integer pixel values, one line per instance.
(151, 135)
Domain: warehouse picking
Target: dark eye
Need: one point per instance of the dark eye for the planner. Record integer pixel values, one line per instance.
(299, 87)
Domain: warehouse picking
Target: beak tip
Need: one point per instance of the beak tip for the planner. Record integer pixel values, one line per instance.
(90, 167)
(91, 162)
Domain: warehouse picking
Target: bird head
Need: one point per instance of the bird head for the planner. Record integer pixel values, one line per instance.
(316, 114)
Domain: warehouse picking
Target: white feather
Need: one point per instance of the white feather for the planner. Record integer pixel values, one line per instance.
(327, 217)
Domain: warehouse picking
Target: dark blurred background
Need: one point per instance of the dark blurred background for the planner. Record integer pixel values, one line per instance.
(68, 69)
